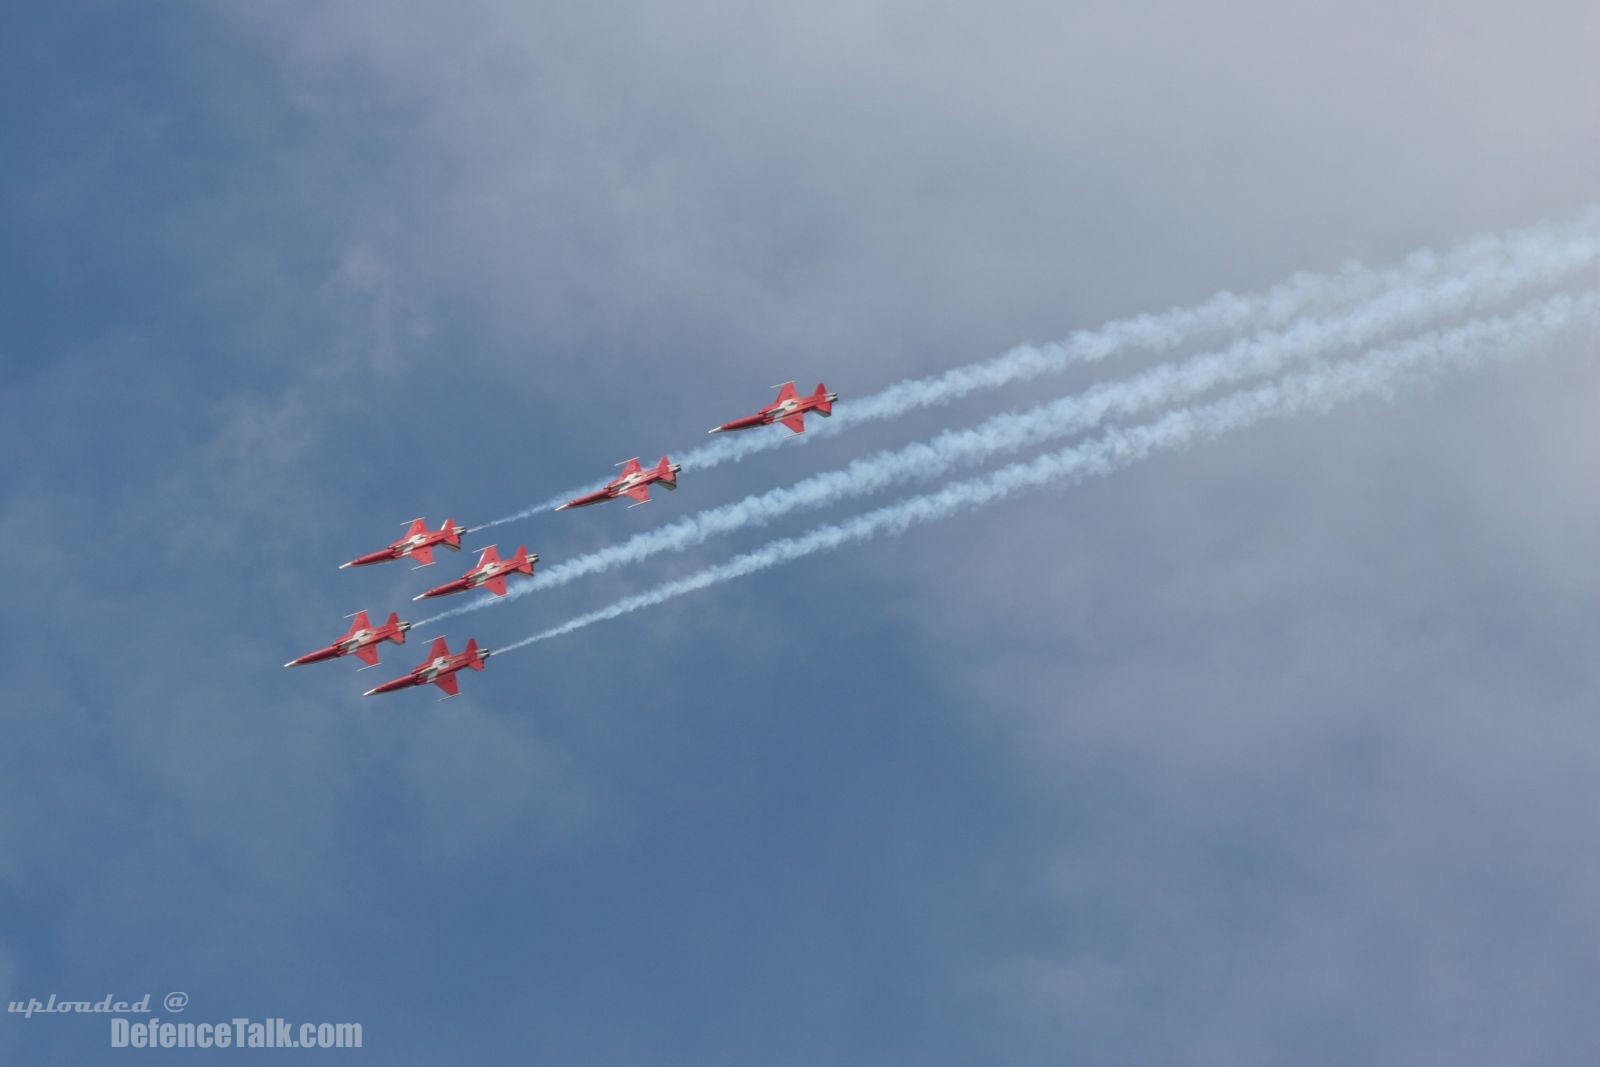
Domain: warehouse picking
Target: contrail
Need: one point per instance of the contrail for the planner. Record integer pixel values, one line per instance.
(1225, 313)
(1486, 284)
(1379, 372)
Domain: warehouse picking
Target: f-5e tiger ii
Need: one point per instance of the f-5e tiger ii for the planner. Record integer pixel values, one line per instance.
(362, 641)
(438, 669)
(418, 544)
(790, 409)
(490, 573)
(634, 482)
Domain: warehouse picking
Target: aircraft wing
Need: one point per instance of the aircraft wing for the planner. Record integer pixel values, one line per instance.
(417, 526)
(632, 467)
(440, 648)
(489, 556)
(423, 555)
(368, 654)
(448, 683)
(496, 585)
(360, 622)
(786, 393)
(797, 423)
(641, 493)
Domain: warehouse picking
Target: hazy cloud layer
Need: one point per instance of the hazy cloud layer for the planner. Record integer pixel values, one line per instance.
(1280, 751)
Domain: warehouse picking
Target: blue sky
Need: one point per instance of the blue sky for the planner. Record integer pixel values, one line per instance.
(1281, 750)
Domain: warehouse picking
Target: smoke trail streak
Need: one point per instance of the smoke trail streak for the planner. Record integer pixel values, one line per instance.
(1379, 372)
(1490, 282)
(1225, 313)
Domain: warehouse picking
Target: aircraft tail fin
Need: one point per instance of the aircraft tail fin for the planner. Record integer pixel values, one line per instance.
(824, 406)
(395, 634)
(476, 661)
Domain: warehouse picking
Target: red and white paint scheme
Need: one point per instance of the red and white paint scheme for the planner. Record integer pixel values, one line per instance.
(362, 640)
(634, 481)
(790, 409)
(418, 544)
(439, 669)
(490, 573)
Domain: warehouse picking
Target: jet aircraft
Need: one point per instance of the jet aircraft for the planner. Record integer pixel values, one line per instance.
(362, 640)
(790, 409)
(634, 482)
(490, 573)
(418, 544)
(440, 668)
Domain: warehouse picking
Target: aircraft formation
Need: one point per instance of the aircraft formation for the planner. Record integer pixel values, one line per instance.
(492, 572)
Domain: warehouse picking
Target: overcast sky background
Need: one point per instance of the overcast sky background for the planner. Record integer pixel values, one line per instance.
(1283, 750)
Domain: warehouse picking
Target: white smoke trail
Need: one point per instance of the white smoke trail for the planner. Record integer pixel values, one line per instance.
(1489, 282)
(1225, 313)
(1378, 372)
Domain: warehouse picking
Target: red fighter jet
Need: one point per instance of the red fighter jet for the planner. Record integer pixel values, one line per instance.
(418, 543)
(790, 409)
(363, 640)
(440, 668)
(490, 573)
(634, 481)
